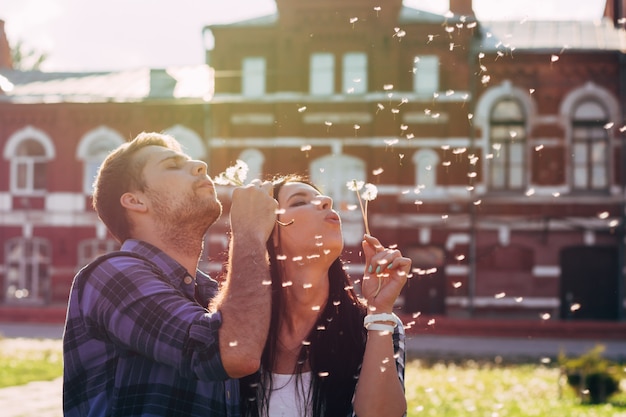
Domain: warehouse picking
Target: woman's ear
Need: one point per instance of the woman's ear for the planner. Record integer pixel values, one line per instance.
(133, 202)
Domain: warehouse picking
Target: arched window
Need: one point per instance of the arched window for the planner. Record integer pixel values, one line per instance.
(28, 151)
(590, 147)
(27, 270)
(92, 150)
(189, 140)
(507, 143)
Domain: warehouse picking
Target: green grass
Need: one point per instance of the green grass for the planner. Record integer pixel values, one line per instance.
(461, 389)
(26, 360)
(488, 390)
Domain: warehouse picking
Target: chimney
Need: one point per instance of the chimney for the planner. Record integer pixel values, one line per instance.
(616, 11)
(463, 7)
(5, 49)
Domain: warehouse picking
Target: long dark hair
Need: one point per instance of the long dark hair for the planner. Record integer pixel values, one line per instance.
(334, 354)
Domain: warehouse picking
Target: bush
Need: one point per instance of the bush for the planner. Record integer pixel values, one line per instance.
(594, 378)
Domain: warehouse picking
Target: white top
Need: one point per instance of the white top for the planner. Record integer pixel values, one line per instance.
(283, 399)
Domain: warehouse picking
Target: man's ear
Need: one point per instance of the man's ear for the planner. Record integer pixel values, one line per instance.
(132, 202)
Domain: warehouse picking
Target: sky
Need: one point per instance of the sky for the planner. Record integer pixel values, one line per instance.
(103, 35)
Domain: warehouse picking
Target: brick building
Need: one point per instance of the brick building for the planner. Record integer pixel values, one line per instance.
(495, 148)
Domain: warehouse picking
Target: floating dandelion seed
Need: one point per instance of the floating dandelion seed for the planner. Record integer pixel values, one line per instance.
(613, 223)
(500, 295)
(603, 215)
(234, 175)
(410, 136)
(477, 202)
(538, 148)
(287, 284)
(378, 171)
(460, 257)
(391, 142)
(388, 87)
(305, 148)
(444, 217)
(545, 316)
(266, 282)
(323, 374)
(357, 127)
(556, 194)
(554, 58)
(519, 299)
(531, 90)
(380, 106)
(354, 19)
(485, 79)
(328, 123)
(316, 308)
(529, 192)
(575, 307)
(431, 322)
(302, 109)
(403, 127)
(457, 284)
(609, 125)
(546, 360)
(233, 343)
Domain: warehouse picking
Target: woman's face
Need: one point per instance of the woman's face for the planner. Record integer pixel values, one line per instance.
(315, 229)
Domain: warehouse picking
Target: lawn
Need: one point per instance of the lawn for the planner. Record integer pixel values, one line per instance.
(441, 389)
(25, 360)
(487, 389)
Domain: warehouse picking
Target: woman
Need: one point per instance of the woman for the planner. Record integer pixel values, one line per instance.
(320, 359)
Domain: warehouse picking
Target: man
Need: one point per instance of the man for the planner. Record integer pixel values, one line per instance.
(139, 339)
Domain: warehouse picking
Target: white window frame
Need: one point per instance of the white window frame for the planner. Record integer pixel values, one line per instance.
(322, 74)
(253, 76)
(355, 73)
(426, 74)
(26, 162)
(27, 277)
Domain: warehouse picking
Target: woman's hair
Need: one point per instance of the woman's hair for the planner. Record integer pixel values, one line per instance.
(337, 344)
(122, 172)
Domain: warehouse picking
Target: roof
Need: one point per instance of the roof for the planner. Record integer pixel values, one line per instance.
(553, 35)
(190, 82)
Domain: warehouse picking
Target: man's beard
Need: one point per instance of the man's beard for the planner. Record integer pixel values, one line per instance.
(184, 222)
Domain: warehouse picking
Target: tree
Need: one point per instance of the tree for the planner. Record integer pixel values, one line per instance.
(27, 59)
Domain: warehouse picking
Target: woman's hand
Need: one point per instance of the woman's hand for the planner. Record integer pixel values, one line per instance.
(386, 272)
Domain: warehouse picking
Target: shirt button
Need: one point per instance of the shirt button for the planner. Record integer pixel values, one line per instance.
(188, 280)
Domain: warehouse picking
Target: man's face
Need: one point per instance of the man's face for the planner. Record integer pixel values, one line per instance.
(179, 192)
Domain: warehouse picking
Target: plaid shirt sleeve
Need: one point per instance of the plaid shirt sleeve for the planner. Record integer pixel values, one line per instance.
(122, 302)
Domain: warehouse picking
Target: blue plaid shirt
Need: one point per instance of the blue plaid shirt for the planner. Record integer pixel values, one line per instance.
(137, 343)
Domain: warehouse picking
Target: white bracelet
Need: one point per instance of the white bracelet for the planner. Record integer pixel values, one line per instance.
(371, 318)
(380, 327)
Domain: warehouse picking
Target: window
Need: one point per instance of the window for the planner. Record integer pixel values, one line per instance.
(92, 150)
(426, 74)
(322, 76)
(253, 77)
(355, 73)
(28, 151)
(90, 249)
(507, 146)
(27, 270)
(590, 150)
(254, 159)
(426, 162)
(331, 173)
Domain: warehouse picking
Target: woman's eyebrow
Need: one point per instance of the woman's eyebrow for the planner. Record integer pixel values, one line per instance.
(301, 194)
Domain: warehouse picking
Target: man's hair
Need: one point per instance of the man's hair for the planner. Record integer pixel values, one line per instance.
(121, 172)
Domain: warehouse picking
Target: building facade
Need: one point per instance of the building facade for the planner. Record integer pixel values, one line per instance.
(495, 147)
